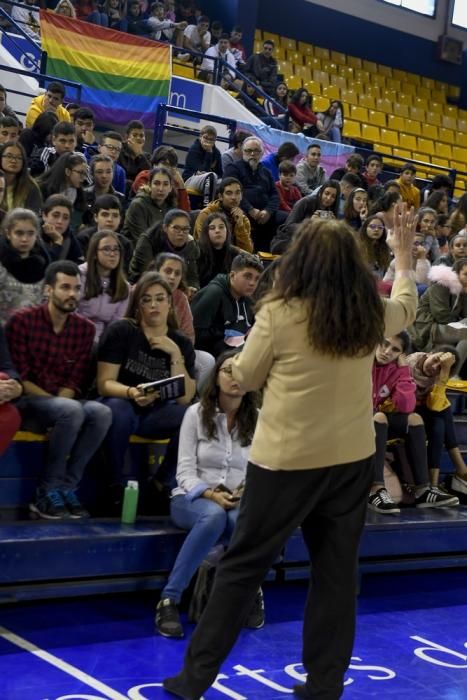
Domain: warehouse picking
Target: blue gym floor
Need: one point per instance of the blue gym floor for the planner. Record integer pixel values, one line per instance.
(411, 643)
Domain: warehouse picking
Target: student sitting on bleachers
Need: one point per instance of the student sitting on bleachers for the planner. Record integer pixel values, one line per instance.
(324, 204)
(457, 251)
(63, 141)
(261, 68)
(373, 167)
(443, 233)
(289, 194)
(427, 226)
(356, 208)
(348, 183)
(286, 151)
(104, 288)
(111, 145)
(229, 196)
(150, 205)
(439, 201)
(310, 174)
(133, 158)
(440, 183)
(331, 122)
(21, 189)
(144, 347)
(215, 437)
(173, 234)
(281, 96)
(51, 348)
(235, 152)
(67, 177)
(50, 101)
(102, 173)
(444, 302)
(9, 129)
(10, 390)
(23, 262)
(353, 165)
(223, 311)
(431, 372)
(166, 156)
(107, 214)
(420, 265)
(302, 115)
(458, 218)
(216, 251)
(394, 403)
(38, 136)
(57, 236)
(203, 165)
(408, 191)
(372, 240)
(385, 206)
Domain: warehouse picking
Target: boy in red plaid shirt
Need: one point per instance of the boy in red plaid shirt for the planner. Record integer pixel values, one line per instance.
(289, 193)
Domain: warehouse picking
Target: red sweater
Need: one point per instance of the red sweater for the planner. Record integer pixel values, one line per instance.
(393, 388)
(302, 114)
(287, 198)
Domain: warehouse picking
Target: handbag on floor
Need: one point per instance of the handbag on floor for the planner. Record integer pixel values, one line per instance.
(202, 590)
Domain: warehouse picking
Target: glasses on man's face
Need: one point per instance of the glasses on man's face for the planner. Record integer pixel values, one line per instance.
(109, 250)
(12, 157)
(180, 229)
(147, 300)
(226, 370)
(113, 149)
(81, 173)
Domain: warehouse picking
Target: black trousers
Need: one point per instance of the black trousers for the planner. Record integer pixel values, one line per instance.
(330, 505)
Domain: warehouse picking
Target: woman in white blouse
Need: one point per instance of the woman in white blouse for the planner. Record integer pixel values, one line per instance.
(215, 439)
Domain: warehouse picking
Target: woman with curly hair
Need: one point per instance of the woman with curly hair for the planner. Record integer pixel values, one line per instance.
(311, 459)
(215, 438)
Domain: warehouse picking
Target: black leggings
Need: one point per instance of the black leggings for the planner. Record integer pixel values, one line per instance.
(415, 442)
(440, 432)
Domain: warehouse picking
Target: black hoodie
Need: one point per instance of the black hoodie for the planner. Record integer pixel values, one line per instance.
(216, 312)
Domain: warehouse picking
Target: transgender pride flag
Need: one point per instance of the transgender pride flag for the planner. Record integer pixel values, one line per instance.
(123, 77)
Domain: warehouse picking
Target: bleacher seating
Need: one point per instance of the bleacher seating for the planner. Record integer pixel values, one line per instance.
(396, 112)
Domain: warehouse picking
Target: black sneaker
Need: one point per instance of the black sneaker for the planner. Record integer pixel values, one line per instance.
(168, 619)
(73, 505)
(381, 502)
(300, 691)
(255, 619)
(50, 506)
(433, 497)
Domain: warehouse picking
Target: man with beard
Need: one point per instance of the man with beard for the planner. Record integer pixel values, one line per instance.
(260, 200)
(51, 348)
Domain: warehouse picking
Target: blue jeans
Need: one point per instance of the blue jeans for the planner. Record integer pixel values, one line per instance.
(77, 430)
(335, 134)
(161, 420)
(207, 522)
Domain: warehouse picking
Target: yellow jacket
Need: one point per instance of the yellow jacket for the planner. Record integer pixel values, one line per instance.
(241, 232)
(409, 194)
(37, 107)
(317, 410)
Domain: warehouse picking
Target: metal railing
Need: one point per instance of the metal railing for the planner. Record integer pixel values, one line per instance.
(161, 125)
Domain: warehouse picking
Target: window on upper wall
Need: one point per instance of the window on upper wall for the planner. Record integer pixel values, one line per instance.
(459, 13)
(424, 7)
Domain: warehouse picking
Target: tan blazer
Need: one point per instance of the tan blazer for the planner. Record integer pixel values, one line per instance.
(317, 410)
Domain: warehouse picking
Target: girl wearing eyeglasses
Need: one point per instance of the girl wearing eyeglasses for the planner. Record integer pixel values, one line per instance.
(104, 287)
(68, 176)
(144, 347)
(375, 250)
(172, 235)
(215, 439)
(21, 189)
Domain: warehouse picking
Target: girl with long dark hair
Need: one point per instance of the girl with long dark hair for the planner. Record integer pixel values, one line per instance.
(356, 208)
(104, 287)
(215, 248)
(300, 110)
(372, 240)
(67, 177)
(215, 437)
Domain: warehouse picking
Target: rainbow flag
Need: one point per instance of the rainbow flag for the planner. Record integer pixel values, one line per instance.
(123, 77)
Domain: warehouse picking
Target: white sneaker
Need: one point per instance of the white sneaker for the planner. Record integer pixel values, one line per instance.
(459, 484)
